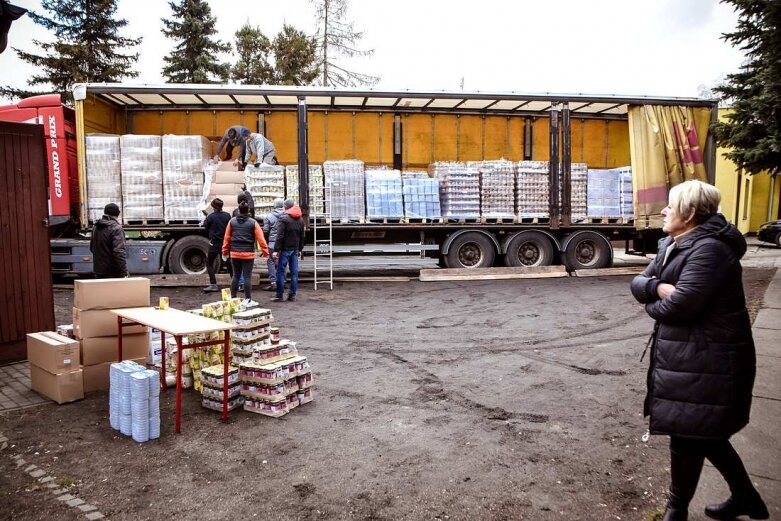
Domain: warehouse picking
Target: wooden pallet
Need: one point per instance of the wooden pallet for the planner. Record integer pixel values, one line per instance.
(143, 222)
(533, 220)
(422, 220)
(384, 220)
(461, 220)
(180, 222)
(497, 220)
(608, 220)
(354, 220)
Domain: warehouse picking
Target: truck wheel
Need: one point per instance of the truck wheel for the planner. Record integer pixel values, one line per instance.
(588, 250)
(471, 250)
(188, 255)
(527, 249)
(778, 239)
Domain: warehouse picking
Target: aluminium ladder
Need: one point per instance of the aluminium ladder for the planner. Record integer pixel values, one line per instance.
(322, 232)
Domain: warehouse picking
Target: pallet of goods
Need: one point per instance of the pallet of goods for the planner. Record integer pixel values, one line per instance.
(421, 195)
(265, 183)
(532, 189)
(212, 390)
(497, 188)
(384, 194)
(459, 189)
(103, 174)
(578, 191)
(316, 187)
(142, 178)
(345, 179)
(183, 160)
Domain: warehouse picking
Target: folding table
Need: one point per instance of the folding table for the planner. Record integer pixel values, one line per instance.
(178, 324)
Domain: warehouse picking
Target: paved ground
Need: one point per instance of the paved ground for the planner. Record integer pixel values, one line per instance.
(15, 390)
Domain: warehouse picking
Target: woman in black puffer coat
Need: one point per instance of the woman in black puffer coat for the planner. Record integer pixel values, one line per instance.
(703, 363)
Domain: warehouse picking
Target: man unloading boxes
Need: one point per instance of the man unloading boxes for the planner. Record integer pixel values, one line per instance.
(262, 148)
(233, 137)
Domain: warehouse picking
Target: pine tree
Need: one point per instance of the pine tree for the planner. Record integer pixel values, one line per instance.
(752, 132)
(295, 56)
(194, 59)
(86, 47)
(338, 37)
(253, 49)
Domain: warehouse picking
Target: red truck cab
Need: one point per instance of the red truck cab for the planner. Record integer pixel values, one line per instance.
(59, 124)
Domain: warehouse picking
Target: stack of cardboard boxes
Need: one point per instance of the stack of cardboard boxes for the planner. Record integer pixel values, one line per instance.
(54, 366)
(95, 326)
(226, 185)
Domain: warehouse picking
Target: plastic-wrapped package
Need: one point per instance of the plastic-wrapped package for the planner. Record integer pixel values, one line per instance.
(578, 191)
(383, 194)
(316, 184)
(346, 181)
(533, 189)
(626, 201)
(459, 189)
(421, 196)
(497, 188)
(265, 183)
(184, 159)
(142, 177)
(604, 196)
(103, 174)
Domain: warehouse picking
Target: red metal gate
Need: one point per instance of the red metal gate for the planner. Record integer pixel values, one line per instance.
(26, 300)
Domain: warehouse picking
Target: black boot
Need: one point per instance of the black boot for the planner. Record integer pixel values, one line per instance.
(750, 505)
(675, 514)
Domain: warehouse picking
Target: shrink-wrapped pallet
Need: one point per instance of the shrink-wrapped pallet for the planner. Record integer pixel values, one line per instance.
(316, 190)
(578, 191)
(184, 159)
(383, 194)
(459, 189)
(142, 177)
(265, 183)
(603, 193)
(421, 196)
(497, 188)
(103, 174)
(532, 189)
(346, 182)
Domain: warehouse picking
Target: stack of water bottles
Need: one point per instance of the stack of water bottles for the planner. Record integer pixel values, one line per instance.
(134, 401)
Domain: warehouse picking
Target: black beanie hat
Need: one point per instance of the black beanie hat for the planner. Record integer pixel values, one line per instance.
(217, 203)
(111, 209)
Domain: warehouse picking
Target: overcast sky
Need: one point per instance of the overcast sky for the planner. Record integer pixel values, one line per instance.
(642, 47)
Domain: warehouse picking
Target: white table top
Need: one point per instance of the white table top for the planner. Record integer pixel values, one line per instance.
(172, 321)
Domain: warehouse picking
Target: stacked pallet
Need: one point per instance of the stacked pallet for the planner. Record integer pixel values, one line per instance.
(384, 194)
(103, 174)
(316, 187)
(497, 188)
(421, 196)
(345, 179)
(265, 183)
(626, 198)
(578, 191)
(459, 189)
(532, 189)
(142, 178)
(183, 160)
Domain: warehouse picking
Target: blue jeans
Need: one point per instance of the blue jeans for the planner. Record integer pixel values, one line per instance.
(285, 257)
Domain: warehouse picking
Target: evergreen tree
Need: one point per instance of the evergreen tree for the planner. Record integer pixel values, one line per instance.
(752, 132)
(295, 56)
(194, 59)
(253, 49)
(338, 37)
(86, 47)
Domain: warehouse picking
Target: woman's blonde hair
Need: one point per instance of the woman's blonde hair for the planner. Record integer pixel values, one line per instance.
(701, 198)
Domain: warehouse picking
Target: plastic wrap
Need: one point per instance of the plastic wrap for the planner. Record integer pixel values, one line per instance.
(346, 181)
(421, 196)
(316, 184)
(265, 183)
(384, 195)
(459, 189)
(578, 191)
(497, 188)
(626, 201)
(142, 177)
(604, 197)
(103, 174)
(184, 159)
(532, 189)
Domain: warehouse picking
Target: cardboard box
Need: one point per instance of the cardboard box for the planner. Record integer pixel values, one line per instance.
(96, 377)
(53, 353)
(227, 166)
(229, 177)
(62, 388)
(99, 350)
(110, 293)
(224, 188)
(99, 322)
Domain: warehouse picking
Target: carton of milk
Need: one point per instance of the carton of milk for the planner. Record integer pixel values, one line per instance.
(155, 356)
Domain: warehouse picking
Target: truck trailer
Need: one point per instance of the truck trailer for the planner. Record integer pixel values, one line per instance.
(402, 130)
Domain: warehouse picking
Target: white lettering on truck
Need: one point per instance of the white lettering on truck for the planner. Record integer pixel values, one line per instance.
(55, 156)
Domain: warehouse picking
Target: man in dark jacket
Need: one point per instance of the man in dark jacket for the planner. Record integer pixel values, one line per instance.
(215, 225)
(233, 137)
(288, 248)
(702, 363)
(270, 232)
(109, 255)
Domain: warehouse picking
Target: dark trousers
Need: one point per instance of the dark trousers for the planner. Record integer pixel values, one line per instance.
(214, 264)
(687, 457)
(242, 267)
(242, 146)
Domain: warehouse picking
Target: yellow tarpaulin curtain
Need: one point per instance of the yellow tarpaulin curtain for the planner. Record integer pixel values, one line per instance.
(666, 146)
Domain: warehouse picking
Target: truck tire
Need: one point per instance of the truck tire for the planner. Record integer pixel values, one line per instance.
(778, 239)
(471, 250)
(188, 255)
(529, 248)
(588, 250)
